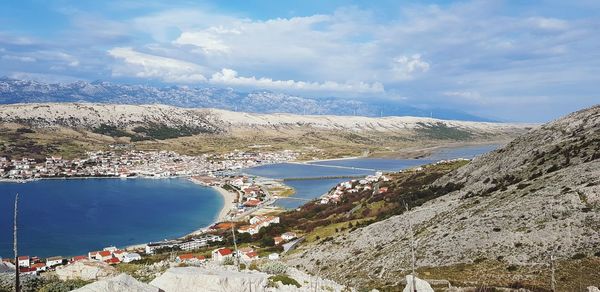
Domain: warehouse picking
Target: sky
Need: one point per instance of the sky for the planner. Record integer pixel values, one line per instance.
(529, 61)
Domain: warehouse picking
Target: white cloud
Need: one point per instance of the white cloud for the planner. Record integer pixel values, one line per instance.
(549, 23)
(208, 42)
(18, 58)
(150, 66)
(230, 77)
(406, 67)
(466, 95)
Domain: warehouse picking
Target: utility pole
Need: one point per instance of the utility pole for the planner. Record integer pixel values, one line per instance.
(15, 248)
(553, 283)
(412, 251)
(237, 256)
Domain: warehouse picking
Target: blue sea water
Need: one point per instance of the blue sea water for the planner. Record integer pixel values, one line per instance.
(313, 188)
(72, 217)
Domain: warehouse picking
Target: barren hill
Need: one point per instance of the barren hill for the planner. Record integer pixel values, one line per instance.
(44, 128)
(506, 214)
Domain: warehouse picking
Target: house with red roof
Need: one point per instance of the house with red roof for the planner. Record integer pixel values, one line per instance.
(105, 255)
(278, 240)
(221, 254)
(112, 261)
(120, 254)
(39, 267)
(24, 261)
(252, 202)
(190, 258)
(250, 256)
(78, 258)
(27, 271)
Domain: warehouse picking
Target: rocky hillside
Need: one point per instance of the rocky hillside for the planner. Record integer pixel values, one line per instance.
(214, 120)
(68, 129)
(505, 215)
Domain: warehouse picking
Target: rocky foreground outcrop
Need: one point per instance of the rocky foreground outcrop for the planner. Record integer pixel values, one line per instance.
(87, 270)
(191, 278)
(536, 197)
(122, 282)
(212, 278)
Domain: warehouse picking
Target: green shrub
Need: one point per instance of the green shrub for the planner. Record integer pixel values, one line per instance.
(273, 268)
(285, 280)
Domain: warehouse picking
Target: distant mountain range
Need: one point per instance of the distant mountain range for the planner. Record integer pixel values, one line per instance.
(28, 91)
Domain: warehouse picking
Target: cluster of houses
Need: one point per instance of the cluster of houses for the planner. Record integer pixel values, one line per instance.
(112, 256)
(258, 222)
(370, 182)
(221, 255)
(34, 265)
(137, 163)
(252, 195)
(244, 254)
(185, 244)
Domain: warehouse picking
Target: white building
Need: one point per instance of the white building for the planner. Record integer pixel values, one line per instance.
(193, 244)
(24, 261)
(288, 236)
(274, 256)
(110, 248)
(130, 257)
(54, 261)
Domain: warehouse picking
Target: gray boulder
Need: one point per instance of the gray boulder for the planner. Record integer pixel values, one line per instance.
(201, 279)
(122, 282)
(420, 285)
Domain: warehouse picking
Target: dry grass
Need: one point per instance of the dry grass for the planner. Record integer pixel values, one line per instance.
(571, 275)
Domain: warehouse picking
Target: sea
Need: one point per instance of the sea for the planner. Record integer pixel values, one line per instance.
(70, 217)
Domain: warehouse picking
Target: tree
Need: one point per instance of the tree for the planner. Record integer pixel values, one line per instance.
(267, 241)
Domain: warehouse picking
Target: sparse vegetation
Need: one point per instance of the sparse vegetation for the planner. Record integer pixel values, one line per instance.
(285, 280)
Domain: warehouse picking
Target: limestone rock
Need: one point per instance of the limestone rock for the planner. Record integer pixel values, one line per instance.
(122, 282)
(201, 279)
(420, 285)
(86, 270)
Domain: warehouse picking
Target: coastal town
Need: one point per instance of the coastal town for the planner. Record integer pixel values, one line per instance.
(243, 196)
(133, 163)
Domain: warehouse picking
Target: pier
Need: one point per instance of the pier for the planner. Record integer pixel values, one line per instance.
(334, 166)
(323, 177)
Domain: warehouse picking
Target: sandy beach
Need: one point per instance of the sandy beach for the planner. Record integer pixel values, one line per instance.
(228, 205)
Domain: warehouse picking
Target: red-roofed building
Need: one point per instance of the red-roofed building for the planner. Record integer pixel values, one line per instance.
(252, 202)
(250, 256)
(78, 258)
(27, 271)
(190, 258)
(24, 261)
(278, 240)
(39, 267)
(105, 255)
(221, 254)
(120, 254)
(112, 261)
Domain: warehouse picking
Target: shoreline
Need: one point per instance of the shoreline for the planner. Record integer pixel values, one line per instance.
(228, 205)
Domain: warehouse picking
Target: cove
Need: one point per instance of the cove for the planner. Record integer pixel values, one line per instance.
(73, 216)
